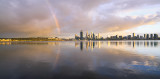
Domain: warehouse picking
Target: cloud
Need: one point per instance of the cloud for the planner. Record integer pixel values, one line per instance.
(116, 23)
(33, 18)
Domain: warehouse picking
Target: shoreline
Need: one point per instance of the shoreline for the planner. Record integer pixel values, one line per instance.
(68, 40)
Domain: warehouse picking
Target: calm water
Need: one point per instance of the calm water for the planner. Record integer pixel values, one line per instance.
(80, 60)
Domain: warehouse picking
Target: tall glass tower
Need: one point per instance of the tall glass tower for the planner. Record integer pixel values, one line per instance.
(87, 35)
(133, 35)
(81, 35)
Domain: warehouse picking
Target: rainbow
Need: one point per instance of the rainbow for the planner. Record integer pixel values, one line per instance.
(54, 16)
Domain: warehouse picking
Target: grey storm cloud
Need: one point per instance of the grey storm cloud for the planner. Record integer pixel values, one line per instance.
(33, 17)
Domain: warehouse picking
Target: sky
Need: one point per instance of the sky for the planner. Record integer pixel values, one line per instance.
(65, 18)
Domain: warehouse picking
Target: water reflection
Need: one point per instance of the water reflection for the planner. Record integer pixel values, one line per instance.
(81, 44)
(133, 44)
(67, 60)
(92, 44)
(29, 43)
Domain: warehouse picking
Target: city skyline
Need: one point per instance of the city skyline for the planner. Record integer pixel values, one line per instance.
(51, 18)
(133, 36)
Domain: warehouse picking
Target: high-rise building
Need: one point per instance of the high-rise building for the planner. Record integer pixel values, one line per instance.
(151, 36)
(141, 37)
(129, 36)
(87, 35)
(96, 37)
(147, 36)
(76, 37)
(138, 37)
(155, 36)
(81, 35)
(91, 35)
(133, 35)
(116, 37)
(99, 36)
(121, 37)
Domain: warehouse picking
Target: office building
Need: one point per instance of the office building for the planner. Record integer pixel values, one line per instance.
(76, 37)
(116, 37)
(99, 36)
(138, 37)
(96, 37)
(87, 35)
(133, 35)
(147, 36)
(93, 36)
(141, 37)
(151, 36)
(81, 35)
(155, 36)
(120, 37)
(129, 36)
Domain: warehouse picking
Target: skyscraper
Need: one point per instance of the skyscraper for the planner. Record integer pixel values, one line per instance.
(120, 37)
(116, 37)
(87, 35)
(147, 36)
(91, 35)
(141, 37)
(81, 35)
(138, 37)
(133, 35)
(155, 36)
(99, 36)
(76, 37)
(151, 36)
(96, 37)
(129, 36)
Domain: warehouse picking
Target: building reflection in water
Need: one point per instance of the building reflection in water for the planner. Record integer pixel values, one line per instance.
(76, 44)
(99, 44)
(132, 44)
(81, 45)
(151, 44)
(94, 44)
(155, 44)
